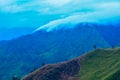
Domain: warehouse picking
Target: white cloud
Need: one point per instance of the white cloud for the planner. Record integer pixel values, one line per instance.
(104, 12)
(9, 6)
(57, 3)
(67, 7)
(6, 2)
(88, 10)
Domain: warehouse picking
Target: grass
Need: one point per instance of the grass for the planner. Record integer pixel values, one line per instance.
(100, 64)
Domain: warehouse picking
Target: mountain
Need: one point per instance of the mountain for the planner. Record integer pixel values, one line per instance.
(24, 54)
(100, 64)
(112, 30)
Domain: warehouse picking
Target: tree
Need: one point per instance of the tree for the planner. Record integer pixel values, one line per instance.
(94, 46)
(15, 78)
(113, 46)
(42, 64)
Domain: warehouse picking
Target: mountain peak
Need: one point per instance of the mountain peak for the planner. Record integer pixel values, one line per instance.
(72, 21)
(68, 22)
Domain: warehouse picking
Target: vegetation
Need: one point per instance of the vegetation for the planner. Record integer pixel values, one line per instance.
(100, 65)
(94, 46)
(115, 76)
(15, 78)
(42, 64)
(21, 55)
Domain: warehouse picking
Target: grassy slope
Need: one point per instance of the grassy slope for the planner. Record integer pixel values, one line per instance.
(100, 64)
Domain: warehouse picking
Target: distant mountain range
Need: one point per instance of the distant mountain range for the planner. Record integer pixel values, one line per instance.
(100, 64)
(24, 54)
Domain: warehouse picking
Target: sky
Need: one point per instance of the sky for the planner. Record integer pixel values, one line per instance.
(20, 17)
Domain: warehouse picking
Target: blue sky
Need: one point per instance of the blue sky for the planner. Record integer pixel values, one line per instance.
(31, 14)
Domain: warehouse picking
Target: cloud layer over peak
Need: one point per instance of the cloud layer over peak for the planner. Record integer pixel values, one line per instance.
(35, 13)
(47, 10)
(102, 13)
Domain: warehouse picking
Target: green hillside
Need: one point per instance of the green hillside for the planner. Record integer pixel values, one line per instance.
(100, 65)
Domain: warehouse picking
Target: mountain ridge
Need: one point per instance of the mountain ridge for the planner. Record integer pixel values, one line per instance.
(44, 47)
(85, 70)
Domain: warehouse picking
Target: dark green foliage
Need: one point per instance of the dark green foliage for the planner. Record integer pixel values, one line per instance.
(42, 64)
(94, 46)
(115, 76)
(15, 78)
(113, 47)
